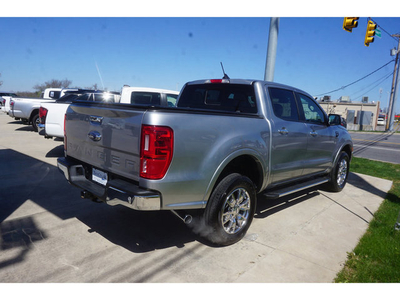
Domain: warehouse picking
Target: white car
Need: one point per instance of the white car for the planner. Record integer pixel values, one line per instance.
(381, 121)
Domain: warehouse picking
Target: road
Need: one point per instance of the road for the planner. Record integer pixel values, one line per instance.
(380, 146)
(49, 234)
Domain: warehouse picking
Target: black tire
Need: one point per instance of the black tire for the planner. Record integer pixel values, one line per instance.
(35, 122)
(230, 210)
(340, 173)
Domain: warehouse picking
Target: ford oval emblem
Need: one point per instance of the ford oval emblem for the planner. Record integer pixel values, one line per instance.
(94, 136)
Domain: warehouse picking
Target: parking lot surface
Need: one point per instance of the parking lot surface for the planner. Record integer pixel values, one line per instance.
(49, 234)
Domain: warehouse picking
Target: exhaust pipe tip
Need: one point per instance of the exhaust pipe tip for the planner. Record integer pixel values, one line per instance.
(188, 219)
(86, 195)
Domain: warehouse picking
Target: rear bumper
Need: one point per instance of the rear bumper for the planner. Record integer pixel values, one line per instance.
(115, 192)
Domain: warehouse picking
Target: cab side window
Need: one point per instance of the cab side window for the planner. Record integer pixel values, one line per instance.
(145, 98)
(312, 111)
(284, 104)
(84, 97)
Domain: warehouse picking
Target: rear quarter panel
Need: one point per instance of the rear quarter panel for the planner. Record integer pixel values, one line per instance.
(55, 118)
(203, 145)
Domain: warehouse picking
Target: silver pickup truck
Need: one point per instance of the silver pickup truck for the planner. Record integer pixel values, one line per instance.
(225, 142)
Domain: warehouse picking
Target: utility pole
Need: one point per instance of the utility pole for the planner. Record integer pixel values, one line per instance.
(271, 52)
(393, 93)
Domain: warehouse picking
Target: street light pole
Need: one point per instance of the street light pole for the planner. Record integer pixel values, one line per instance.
(271, 52)
(393, 93)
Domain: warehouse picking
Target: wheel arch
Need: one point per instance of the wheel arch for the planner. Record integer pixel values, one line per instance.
(33, 113)
(348, 149)
(245, 163)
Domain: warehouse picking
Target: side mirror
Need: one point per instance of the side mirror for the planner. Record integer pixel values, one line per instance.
(334, 119)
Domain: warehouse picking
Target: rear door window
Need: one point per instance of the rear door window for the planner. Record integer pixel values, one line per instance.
(85, 97)
(171, 99)
(284, 104)
(104, 97)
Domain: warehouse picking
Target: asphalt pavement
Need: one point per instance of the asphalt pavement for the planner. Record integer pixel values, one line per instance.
(49, 234)
(381, 146)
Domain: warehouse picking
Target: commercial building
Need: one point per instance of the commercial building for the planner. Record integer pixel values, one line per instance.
(358, 115)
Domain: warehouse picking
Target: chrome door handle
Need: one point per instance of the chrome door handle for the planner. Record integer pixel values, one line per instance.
(313, 133)
(283, 131)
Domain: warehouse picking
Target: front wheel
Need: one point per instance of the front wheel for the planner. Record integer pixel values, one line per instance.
(340, 173)
(230, 210)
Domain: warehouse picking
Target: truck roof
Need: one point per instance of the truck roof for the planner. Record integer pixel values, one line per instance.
(248, 82)
(147, 89)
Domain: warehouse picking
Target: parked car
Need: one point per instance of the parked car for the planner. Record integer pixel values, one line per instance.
(225, 142)
(381, 121)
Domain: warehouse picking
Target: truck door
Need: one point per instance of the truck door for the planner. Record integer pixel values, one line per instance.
(289, 136)
(321, 137)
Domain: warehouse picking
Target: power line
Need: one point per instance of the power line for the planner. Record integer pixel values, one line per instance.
(345, 86)
(364, 88)
(380, 81)
(384, 29)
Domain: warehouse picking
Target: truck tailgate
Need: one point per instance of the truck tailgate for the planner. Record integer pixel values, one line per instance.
(106, 137)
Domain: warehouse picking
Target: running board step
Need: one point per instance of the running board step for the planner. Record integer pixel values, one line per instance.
(295, 188)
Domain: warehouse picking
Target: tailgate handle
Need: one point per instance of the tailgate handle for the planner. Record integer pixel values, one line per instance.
(96, 119)
(94, 136)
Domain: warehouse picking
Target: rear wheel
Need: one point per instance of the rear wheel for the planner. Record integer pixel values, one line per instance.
(230, 210)
(340, 173)
(35, 122)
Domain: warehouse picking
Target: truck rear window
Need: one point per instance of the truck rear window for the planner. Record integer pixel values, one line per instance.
(221, 97)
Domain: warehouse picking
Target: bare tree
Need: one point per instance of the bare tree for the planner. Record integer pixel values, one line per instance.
(93, 87)
(1, 82)
(54, 83)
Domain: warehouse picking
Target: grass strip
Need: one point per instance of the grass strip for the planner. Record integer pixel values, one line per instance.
(376, 258)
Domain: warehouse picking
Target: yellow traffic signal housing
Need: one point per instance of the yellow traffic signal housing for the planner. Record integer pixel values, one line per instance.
(350, 23)
(369, 35)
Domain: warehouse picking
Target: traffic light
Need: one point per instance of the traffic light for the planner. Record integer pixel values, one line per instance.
(369, 35)
(350, 23)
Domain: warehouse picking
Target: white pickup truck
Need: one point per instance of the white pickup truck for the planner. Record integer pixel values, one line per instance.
(5, 100)
(27, 109)
(51, 114)
(51, 123)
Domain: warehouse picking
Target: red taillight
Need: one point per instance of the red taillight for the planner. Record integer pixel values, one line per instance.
(42, 115)
(156, 151)
(12, 103)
